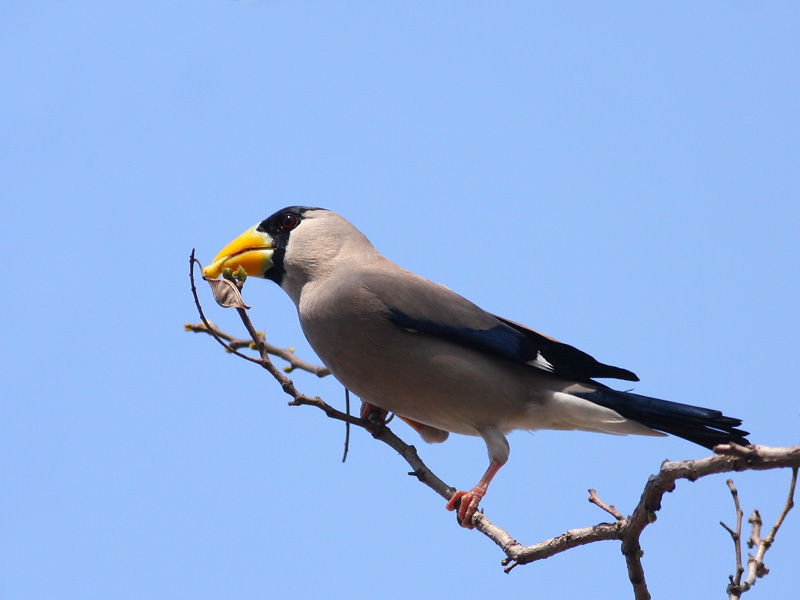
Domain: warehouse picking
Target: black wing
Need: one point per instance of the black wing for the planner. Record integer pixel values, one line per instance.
(510, 340)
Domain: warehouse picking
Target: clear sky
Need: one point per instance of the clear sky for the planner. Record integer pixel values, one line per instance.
(623, 177)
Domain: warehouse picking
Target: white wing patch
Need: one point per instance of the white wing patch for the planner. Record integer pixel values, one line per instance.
(541, 362)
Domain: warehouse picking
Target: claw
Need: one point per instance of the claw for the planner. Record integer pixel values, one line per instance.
(466, 503)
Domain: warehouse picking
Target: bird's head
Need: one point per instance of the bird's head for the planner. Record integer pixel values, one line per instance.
(261, 250)
(292, 247)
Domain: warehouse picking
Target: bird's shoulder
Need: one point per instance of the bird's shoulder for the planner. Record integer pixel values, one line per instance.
(402, 292)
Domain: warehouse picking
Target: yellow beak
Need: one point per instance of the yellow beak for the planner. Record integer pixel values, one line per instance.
(252, 251)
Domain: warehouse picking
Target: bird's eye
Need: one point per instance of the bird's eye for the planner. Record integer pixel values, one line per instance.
(289, 221)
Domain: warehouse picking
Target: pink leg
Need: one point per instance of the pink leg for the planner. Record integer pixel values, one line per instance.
(469, 500)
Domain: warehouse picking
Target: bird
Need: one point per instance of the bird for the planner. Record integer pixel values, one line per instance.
(414, 348)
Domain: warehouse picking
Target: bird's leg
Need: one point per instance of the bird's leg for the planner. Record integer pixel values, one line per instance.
(371, 412)
(467, 502)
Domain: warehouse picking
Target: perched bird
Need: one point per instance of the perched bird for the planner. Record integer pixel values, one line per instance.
(417, 349)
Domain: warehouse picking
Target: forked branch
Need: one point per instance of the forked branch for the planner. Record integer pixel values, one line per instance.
(755, 563)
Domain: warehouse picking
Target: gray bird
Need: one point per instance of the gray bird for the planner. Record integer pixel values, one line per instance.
(415, 348)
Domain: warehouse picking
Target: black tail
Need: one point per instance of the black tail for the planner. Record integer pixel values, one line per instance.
(699, 425)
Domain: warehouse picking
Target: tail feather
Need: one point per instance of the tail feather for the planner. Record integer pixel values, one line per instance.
(702, 426)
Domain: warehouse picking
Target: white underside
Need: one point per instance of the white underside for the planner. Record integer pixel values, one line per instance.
(563, 411)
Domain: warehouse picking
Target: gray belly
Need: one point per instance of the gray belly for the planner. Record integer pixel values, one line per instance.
(424, 378)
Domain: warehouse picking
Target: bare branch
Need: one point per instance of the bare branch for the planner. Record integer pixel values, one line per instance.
(570, 539)
(628, 530)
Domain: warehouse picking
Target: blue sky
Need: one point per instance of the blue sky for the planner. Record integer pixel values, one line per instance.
(624, 178)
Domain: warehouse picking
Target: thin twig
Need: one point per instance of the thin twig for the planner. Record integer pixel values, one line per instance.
(286, 354)
(609, 508)
(346, 425)
(735, 588)
(786, 508)
(192, 261)
(755, 563)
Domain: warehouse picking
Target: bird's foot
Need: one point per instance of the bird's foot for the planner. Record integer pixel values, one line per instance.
(371, 412)
(466, 503)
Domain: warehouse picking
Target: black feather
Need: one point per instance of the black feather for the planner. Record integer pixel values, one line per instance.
(567, 360)
(702, 426)
(518, 343)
